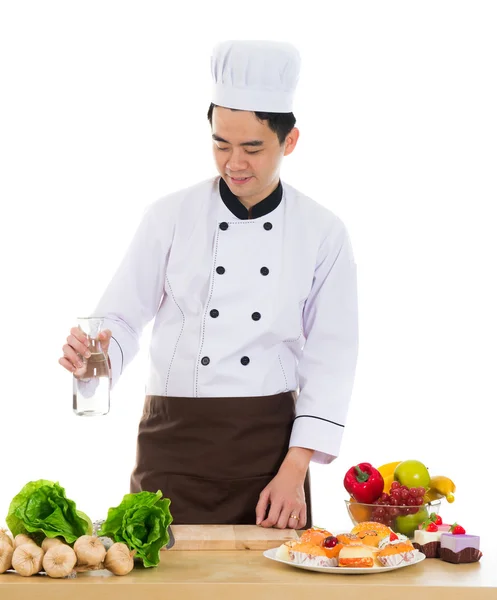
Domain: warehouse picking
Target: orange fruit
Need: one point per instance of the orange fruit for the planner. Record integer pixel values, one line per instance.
(359, 512)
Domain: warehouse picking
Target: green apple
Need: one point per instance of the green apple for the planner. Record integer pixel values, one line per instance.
(407, 525)
(412, 473)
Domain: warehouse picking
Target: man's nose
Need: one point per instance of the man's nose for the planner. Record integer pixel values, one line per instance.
(236, 162)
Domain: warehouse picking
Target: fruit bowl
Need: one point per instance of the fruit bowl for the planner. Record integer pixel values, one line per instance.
(401, 518)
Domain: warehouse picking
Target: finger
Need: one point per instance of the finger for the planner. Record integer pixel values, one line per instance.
(67, 364)
(72, 356)
(261, 508)
(78, 346)
(274, 514)
(303, 517)
(285, 520)
(295, 518)
(80, 335)
(104, 337)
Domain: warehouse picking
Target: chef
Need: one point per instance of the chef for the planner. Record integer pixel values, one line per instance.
(252, 285)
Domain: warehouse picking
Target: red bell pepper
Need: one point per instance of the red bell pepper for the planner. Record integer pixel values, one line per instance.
(364, 483)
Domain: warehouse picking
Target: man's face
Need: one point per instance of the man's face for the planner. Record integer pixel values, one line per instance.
(245, 147)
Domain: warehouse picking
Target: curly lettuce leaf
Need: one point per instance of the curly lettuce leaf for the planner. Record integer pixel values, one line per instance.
(14, 523)
(140, 522)
(41, 508)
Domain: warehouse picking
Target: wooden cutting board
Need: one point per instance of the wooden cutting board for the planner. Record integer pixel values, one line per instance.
(229, 537)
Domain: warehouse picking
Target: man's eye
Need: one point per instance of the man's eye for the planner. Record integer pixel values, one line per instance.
(225, 149)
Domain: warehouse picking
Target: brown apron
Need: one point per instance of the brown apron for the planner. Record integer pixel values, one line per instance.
(213, 456)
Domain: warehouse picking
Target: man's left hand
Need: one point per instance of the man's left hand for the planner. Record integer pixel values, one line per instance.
(285, 493)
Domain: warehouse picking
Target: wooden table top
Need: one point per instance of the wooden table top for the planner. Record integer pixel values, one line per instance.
(247, 574)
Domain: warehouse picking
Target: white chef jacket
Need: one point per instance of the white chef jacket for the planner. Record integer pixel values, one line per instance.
(242, 306)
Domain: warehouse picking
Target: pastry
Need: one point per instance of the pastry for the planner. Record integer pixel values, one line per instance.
(305, 553)
(460, 548)
(348, 538)
(371, 532)
(349, 549)
(393, 538)
(357, 556)
(428, 542)
(282, 552)
(369, 537)
(315, 535)
(394, 555)
(331, 546)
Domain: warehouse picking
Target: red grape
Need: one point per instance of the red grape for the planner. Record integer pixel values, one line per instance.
(401, 501)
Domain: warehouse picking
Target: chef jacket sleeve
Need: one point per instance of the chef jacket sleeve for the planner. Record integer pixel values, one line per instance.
(134, 294)
(327, 365)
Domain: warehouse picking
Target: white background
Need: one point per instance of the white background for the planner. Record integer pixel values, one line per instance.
(103, 110)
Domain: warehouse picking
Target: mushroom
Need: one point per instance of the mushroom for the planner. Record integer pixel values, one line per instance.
(6, 552)
(27, 559)
(59, 561)
(119, 559)
(89, 550)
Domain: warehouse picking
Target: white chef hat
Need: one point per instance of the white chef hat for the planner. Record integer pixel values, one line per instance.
(255, 75)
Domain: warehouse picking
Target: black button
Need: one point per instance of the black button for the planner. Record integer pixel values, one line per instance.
(206, 360)
(220, 270)
(267, 226)
(245, 360)
(256, 316)
(223, 226)
(265, 271)
(214, 313)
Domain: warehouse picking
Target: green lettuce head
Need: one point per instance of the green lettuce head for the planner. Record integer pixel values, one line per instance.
(41, 510)
(140, 522)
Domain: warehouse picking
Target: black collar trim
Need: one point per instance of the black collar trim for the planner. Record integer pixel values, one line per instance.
(260, 209)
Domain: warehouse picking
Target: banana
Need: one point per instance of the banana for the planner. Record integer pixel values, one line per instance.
(432, 495)
(441, 487)
(388, 468)
(387, 474)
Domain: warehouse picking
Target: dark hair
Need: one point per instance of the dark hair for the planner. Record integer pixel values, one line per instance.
(280, 123)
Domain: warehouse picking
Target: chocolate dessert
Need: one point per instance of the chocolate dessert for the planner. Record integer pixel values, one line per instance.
(430, 549)
(460, 548)
(468, 555)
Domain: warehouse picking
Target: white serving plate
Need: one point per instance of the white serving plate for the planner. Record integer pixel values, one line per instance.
(271, 554)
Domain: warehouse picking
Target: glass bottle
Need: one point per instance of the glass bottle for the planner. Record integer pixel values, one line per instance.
(91, 382)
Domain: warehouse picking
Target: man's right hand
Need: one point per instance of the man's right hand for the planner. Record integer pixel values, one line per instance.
(77, 348)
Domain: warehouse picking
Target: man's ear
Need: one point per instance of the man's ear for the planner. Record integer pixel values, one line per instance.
(291, 141)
